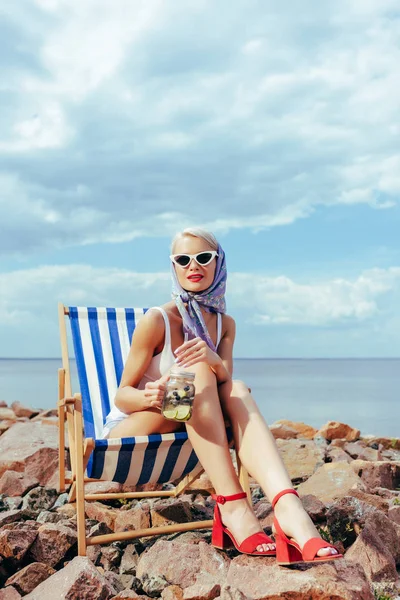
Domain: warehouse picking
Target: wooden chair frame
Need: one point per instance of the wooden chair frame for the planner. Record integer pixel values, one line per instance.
(80, 448)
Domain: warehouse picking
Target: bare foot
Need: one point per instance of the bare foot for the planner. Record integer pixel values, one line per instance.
(241, 521)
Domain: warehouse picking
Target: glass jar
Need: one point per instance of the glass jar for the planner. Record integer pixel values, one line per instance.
(179, 396)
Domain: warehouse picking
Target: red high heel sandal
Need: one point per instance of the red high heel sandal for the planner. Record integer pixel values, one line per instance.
(288, 552)
(222, 537)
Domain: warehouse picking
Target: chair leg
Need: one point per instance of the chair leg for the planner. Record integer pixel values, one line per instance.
(80, 484)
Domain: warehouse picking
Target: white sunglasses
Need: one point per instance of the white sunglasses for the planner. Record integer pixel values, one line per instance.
(202, 258)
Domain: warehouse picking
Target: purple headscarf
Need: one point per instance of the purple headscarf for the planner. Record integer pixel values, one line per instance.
(212, 299)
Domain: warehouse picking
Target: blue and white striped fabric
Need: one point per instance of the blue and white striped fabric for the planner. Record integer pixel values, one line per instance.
(102, 338)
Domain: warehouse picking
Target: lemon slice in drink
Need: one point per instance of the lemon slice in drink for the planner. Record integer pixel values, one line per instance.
(170, 414)
(183, 413)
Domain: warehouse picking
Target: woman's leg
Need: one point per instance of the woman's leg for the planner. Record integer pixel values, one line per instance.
(207, 433)
(144, 422)
(259, 454)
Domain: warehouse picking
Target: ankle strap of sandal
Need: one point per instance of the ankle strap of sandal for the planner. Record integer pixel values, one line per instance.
(282, 493)
(222, 499)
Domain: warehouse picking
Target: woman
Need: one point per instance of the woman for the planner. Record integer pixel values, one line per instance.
(198, 309)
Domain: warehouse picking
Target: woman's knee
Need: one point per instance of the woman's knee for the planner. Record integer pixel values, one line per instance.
(239, 388)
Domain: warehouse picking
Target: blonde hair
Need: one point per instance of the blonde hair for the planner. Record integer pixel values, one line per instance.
(207, 236)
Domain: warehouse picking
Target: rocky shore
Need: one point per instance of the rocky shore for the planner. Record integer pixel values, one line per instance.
(349, 484)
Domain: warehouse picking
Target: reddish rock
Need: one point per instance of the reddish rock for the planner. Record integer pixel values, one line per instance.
(386, 443)
(166, 512)
(7, 413)
(263, 579)
(331, 481)
(102, 487)
(130, 594)
(372, 499)
(354, 448)
(23, 411)
(301, 457)
(205, 588)
(374, 551)
(44, 414)
(337, 443)
(346, 517)
(336, 454)
(3, 404)
(172, 592)
(6, 424)
(30, 448)
(102, 513)
(202, 483)
(13, 483)
(79, 579)
(28, 578)
(302, 430)
(16, 541)
(137, 517)
(394, 514)
(110, 557)
(179, 563)
(282, 432)
(11, 516)
(378, 474)
(314, 507)
(52, 543)
(9, 593)
(129, 560)
(334, 429)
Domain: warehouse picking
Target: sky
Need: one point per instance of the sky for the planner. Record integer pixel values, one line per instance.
(275, 128)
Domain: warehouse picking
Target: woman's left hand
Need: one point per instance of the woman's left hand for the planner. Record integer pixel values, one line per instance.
(195, 351)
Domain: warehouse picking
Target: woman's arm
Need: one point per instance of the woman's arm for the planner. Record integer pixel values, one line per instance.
(197, 350)
(147, 336)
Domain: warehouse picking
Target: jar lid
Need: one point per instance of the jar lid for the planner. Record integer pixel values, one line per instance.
(175, 372)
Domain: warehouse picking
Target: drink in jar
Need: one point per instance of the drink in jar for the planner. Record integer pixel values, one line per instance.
(179, 395)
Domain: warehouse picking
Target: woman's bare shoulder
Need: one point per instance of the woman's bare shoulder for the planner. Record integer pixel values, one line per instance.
(228, 325)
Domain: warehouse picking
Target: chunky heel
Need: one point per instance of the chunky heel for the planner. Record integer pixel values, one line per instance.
(288, 552)
(222, 538)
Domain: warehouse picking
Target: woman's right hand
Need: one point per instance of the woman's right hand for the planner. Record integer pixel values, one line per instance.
(154, 392)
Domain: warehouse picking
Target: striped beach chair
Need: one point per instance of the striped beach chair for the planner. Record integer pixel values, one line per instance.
(101, 340)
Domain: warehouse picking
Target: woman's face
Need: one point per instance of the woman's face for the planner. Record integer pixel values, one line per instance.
(194, 277)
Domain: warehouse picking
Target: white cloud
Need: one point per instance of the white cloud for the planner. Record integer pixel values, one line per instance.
(155, 108)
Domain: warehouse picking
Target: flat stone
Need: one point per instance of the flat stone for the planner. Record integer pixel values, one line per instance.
(129, 561)
(102, 513)
(204, 588)
(28, 578)
(9, 593)
(301, 457)
(7, 413)
(180, 563)
(335, 429)
(282, 432)
(331, 481)
(13, 483)
(262, 579)
(79, 580)
(31, 448)
(378, 474)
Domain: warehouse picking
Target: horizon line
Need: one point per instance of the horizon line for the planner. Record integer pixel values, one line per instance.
(235, 358)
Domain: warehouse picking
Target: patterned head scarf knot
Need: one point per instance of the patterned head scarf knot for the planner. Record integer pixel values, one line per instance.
(212, 299)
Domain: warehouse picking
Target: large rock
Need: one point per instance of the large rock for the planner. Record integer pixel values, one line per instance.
(181, 563)
(16, 539)
(167, 512)
(334, 429)
(52, 543)
(302, 430)
(7, 413)
(31, 448)
(377, 474)
(13, 483)
(336, 454)
(262, 579)
(24, 411)
(331, 481)
(301, 457)
(30, 577)
(377, 548)
(137, 517)
(100, 512)
(282, 432)
(9, 593)
(77, 581)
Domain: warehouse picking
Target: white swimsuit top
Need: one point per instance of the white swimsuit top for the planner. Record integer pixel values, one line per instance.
(160, 363)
